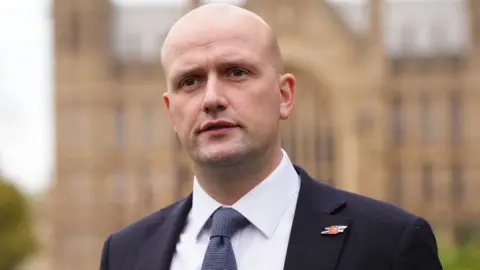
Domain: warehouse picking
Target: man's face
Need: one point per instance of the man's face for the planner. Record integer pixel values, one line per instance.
(224, 98)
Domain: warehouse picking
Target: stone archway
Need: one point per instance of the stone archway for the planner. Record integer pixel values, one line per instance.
(308, 135)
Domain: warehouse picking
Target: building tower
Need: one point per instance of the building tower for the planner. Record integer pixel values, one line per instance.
(82, 106)
(113, 144)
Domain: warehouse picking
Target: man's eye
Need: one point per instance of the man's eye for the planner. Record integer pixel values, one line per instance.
(189, 82)
(237, 72)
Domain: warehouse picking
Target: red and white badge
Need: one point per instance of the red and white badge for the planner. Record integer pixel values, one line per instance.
(334, 229)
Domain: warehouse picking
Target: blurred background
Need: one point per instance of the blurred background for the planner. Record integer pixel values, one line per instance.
(388, 105)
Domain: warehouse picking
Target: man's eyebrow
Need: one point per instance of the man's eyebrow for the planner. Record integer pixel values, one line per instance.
(184, 72)
(229, 63)
(239, 62)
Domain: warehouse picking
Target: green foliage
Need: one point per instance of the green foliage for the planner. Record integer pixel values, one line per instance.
(462, 257)
(16, 235)
(467, 231)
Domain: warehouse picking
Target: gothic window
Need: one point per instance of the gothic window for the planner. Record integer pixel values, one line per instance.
(119, 126)
(397, 120)
(426, 120)
(74, 35)
(330, 147)
(396, 188)
(458, 188)
(427, 185)
(148, 184)
(456, 118)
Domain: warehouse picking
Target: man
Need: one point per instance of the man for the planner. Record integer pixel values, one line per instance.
(251, 208)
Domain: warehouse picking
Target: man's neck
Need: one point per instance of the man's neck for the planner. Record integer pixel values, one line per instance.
(228, 184)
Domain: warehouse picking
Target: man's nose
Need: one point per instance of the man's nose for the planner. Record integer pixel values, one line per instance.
(214, 100)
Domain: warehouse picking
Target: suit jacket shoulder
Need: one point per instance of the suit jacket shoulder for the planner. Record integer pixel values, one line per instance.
(372, 210)
(340, 202)
(125, 244)
(131, 232)
(378, 235)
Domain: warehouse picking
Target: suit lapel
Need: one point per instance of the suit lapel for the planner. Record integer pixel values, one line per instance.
(158, 248)
(308, 248)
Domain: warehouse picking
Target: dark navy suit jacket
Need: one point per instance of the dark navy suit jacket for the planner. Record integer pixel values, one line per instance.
(379, 236)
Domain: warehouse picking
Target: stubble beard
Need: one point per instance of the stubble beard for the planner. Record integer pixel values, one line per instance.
(223, 156)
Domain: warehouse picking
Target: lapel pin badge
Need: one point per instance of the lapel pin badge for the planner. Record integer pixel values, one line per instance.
(334, 229)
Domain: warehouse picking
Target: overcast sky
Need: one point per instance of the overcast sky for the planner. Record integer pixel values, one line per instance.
(25, 91)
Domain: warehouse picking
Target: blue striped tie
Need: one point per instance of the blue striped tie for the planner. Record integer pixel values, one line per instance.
(219, 255)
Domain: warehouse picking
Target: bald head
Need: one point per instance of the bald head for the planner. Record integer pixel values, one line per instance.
(222, 63)
(209, 23)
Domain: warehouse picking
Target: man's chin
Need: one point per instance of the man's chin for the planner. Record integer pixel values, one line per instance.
(221, 156)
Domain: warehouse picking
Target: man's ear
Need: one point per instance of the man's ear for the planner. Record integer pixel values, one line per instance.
(166, 99)
(287, 94)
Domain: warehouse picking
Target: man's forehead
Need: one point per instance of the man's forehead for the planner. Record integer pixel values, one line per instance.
(215, 36)
(197, 36)
(219, 42)
(214, 21)
(212, 55)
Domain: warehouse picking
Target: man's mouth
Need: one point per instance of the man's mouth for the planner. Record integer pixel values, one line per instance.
(217, 126)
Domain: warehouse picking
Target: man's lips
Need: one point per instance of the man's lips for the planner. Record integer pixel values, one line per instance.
(217, 125)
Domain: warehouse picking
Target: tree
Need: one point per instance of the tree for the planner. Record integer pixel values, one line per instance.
(17, 239)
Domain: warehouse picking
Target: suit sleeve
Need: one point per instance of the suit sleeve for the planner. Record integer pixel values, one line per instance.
(105, 255)
(418, 248)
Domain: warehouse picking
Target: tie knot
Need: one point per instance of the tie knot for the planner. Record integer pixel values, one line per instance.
(227, 221)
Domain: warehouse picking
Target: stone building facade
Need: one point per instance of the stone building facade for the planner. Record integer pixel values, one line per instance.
(397, 125)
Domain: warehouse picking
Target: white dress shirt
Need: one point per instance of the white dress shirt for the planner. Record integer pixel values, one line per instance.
(269, 207)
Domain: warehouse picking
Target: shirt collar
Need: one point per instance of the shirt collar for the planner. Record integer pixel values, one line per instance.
(263, 206)
(203, 207)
